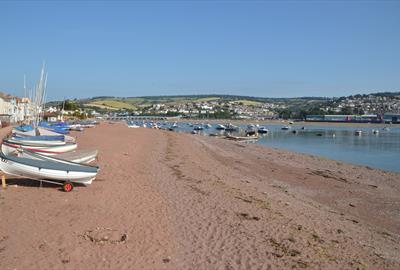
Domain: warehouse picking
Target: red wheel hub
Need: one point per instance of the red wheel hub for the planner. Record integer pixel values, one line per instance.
(67, 187)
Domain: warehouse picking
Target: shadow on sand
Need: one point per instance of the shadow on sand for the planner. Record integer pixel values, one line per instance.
(25, 182)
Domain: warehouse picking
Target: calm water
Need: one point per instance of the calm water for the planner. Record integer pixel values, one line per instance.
(375, 150)
(379, 151)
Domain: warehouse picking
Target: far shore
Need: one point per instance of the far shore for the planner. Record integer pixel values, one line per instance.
(281, 122)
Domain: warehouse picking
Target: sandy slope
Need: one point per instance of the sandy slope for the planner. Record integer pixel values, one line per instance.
(176, 201)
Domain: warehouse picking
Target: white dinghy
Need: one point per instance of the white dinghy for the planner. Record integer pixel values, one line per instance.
(35, 142)
(42, 132)
(79, 156)
(52, 170)
(8, 147)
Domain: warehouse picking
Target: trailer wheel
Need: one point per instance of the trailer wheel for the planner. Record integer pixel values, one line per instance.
(67, 186)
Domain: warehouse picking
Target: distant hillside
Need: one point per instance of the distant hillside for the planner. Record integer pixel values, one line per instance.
(111, 103)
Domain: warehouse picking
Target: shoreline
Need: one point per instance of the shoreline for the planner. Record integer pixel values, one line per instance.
(184, 201)
(286, 122)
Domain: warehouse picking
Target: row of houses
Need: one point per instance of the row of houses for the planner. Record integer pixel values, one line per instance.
(14, 109)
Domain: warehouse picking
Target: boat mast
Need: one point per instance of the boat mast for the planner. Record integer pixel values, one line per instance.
(24, 85)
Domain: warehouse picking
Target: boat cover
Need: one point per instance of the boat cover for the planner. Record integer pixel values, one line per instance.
(51, 165)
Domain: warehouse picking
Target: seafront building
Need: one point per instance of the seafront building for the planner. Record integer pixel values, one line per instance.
(14, 109)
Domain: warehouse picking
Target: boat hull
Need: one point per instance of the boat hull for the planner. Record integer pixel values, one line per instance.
(9, 148)
(43, 132)
(13, 167)
(36, 142)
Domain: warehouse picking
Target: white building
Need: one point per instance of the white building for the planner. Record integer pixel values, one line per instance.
(14, 109)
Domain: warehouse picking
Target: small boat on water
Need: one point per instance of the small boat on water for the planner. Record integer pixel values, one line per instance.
(358, 132)
(375, 131)
(52, 170)
(262, 130)
(242, 138)
(215, 135)
(251, 130)
(303, 128)
(286, 128)
(198, 128)
(231, 127)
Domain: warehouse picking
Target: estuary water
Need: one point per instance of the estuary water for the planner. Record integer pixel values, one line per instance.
(380, 150)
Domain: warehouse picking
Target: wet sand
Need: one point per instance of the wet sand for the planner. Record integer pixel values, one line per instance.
(165, 200)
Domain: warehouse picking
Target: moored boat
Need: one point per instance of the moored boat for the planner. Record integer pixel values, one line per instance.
(231, 127)
(198, 128)
(242, 138)
(262, 130)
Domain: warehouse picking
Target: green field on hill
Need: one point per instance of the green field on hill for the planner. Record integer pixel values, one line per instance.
(112, 104)
(134, 103)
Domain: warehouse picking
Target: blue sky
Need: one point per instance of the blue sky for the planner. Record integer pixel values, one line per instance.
(258, 48)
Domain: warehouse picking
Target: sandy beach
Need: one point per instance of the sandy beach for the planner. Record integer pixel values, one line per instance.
(166, 200)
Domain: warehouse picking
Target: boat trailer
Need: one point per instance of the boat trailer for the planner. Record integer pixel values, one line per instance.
(67, 186)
